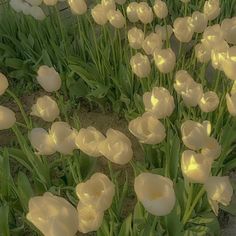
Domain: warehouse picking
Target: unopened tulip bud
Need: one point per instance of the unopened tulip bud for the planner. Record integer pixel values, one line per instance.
(203, 54)
(182, 81)
(131, 12)
(116, 18)
(78, 7)
(45, 108)
(157, 201)
(151, 42)
(164, 31)
(50, 2)
(160, 9)
(97, 192)
(199, 21)
(108, 5)
(140, 65)
(211, 149)
(89, 218)
(144, 12)
(231, 103)
(88, 140)
(3, 83)
(209, 102)
(49, 79)
(228, 27)
(229, 63)
(7, 118)
(59, 218)
(37, 13)
(212, 9)
(148, 129)
(165, 60)
(99, 14)
(219, 190)
(135, 38)
(41, 141)
(159, 102)
(195, 167)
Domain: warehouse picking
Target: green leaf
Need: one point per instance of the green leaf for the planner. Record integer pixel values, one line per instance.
(4, 225)
(126, 226)
(231, 208)
(14, 63)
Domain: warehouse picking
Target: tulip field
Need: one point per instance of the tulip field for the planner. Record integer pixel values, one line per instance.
(117, 118)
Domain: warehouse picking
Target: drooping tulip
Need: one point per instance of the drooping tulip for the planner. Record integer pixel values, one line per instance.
(45, 108)
(116, 18)
(37, 13)
(52, 215)
(155, 192)
(50, 2)
(151, 42)
(48, 78)
(229, 63)
(99, 14)
(159, 102)
(88, 140)
(160, 9)
(7, 118)
(182, 81)
(3, 83)
(135, 38)
(78, 7)
(144, 13)
(164, 31)
(140, 65)
(131, 12)
(165, 60)
(195, 167)
(148, 129)
(203, 54)
(199, 21)
(97, 192)
(219, 190)
(231, 103)
(209, 101)
(42, 142)
(211, 149)
(212, 9)
(228, 27)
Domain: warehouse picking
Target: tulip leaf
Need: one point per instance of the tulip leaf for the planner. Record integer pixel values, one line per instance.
(231, 208)
(126, 226)
(4, 225)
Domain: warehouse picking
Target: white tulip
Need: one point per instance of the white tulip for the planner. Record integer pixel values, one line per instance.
(212, 9)
(3, 84)
(7, 118)
(144, 13)
(228, 27)
(151, 42)
(164, 31)
(209, 101)
(78, 7)
(211, 149)
(160, 9)
(37, 13)
(99, 14)
(199, 21)
(135, 38)
(203, 54)
(116, 18)
(131, 12)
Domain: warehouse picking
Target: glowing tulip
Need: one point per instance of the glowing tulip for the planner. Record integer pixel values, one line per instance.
(159, 102)
(135, 38)
(203, 54)
(78, 7)
(3, 83)
(195, 167)
(144, 13)
(151, 42)
(164, 31)
(97, 192)
(231, 103)
(41, 141)
(45, 108)
(212, 9)
(89, 218)
(131, 12)
(160, 9)
(194, 135)
(148, 129)
(140, 65)
(182, 81)
(49, 79)
(50, 2)
(158, 201)
(228, 27)
(165, 60)
(99, 14)
(219, 190)
(211, 149)
(88, 140)
(199, 21)
(116, 18)
(63, 137)
(7, 118)
(59, 218)
(108, 5)
(37, 13)
(183, 29)
(209, 102)
(229, 63)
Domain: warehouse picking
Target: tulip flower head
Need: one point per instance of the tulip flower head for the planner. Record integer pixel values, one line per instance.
(202, 53)
(212, 9)
(155, 192)
(99, 14)
(151, 42)
(209, 101)
(182, 81)
(211, 149)
(144, 13)
(37, 13)
(116, 18)
(3, 83)
(229, 63)
(199, 21)
(78, 7)
(160, 9)
(228, 27)
(231, 103)
(165, 32)
(7, 118)
(97, 192)
(219, 190)
(108, 5)
(131, 12)
(135, 38)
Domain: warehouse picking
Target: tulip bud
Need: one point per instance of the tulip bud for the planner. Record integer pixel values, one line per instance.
(63, 137)
(160, 9)
(135, 38)
(99, 14)
(116, 18)
(195, 167)
(219, 190)
(165, 32)
(199, 21)
(59, 218)
(131, 12)
(3, 83)
(78, 7)
(140, 65)
(182, 81)
(49, 79)
(144, 13)
(88, 140)
(50, 2)
(209, 102)
(7, 118)
(203, 54)
(157, 201)
(228, 27)
(228, 63)
(159, 102)
(45, 108)
(89, 218)
(231, 103)
(148, 129)
(183, 29)
(42, 142)
(37, 13)
(211, 9)
(151, 42)
(97, 192)
(165, 60)
(211, 149)
(108, 5)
